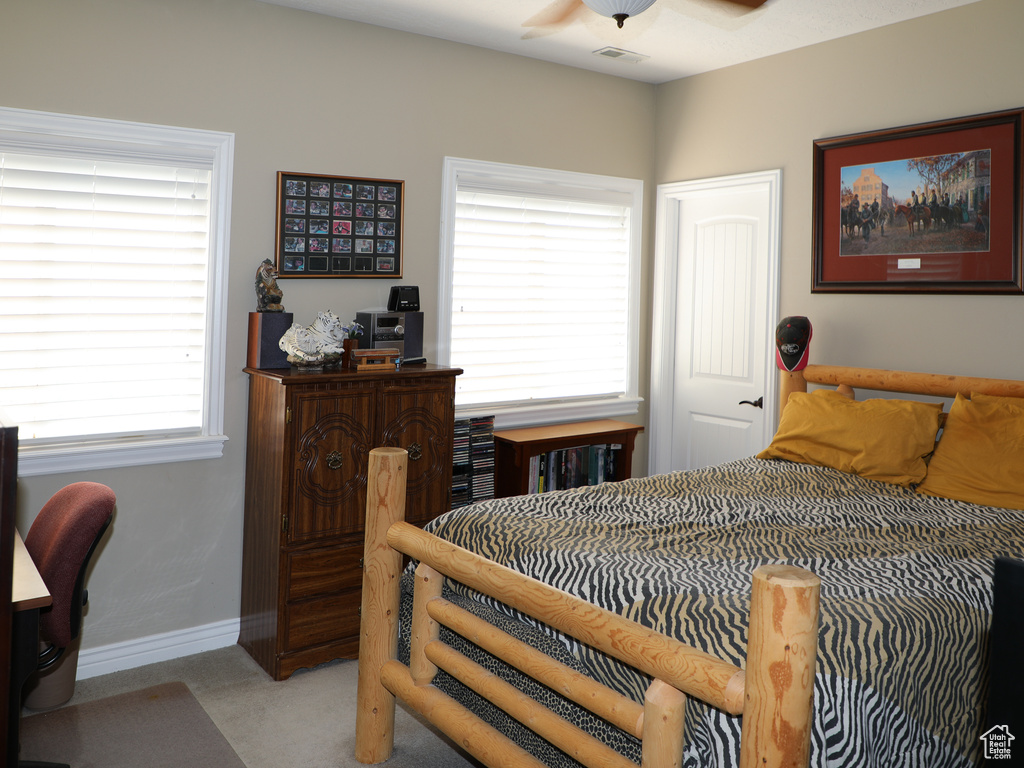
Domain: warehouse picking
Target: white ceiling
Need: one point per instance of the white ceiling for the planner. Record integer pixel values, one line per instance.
(680, 37)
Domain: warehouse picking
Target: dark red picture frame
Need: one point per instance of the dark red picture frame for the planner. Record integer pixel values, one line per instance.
(975, 250)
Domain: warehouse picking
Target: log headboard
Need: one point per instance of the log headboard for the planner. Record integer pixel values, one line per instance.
(932, 384)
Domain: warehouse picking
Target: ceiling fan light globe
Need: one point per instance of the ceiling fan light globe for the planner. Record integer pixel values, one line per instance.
(619, 10)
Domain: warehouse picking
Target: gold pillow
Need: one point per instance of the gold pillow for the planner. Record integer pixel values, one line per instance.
(883, 440)
(980, 455)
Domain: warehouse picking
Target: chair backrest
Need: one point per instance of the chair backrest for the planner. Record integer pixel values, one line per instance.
(61, 540)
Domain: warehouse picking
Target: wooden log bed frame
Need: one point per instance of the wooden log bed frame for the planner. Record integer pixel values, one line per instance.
(774, 693)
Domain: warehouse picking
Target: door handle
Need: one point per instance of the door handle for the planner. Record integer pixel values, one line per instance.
(759, 403)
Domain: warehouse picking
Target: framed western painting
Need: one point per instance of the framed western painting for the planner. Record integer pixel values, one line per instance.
(925, 208)
(337, 226)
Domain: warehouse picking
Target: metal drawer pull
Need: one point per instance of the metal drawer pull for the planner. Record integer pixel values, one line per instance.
(334, 460)
(415, 452)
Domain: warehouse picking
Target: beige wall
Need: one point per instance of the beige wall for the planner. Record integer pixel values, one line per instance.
(766, 114)
(314, 94)
(302, 93)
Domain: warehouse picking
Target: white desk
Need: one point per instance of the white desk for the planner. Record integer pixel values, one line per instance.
(28, 595)
(27, 589)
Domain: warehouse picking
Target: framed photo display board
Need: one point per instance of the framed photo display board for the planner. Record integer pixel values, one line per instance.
(934, 207)
(337, 226)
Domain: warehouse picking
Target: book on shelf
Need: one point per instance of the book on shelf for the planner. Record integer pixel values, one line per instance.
(574, 467)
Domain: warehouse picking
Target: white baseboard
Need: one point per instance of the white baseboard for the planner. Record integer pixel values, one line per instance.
(149, 650)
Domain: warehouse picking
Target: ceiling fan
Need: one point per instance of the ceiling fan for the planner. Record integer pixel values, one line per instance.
(562, 12)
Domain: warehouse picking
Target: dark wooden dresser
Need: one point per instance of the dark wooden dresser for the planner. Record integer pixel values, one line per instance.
(308, 440)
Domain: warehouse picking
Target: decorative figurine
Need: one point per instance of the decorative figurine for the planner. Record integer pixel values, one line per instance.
(268, 295)
(302, 347)
(324, 344)
(330, 336)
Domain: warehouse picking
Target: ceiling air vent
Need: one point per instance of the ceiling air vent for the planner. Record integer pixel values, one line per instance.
(621, 55)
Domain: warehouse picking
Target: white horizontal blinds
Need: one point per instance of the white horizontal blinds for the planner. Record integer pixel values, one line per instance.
(539, 296)
(103, 297)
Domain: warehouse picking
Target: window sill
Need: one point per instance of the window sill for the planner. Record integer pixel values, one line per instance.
(526, 415)
(49, 460)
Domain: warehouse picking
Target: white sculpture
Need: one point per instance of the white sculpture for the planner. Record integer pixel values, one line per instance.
(302, 346)
(329, 332)
(319, 344)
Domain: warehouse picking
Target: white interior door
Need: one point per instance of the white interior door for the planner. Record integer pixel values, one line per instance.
(716, 298)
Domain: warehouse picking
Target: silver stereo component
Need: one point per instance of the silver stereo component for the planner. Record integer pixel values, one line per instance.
(398, 330)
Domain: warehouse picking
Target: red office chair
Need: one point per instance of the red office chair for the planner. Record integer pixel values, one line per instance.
(61, 541)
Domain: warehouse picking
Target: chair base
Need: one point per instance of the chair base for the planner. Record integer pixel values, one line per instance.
(51, 688)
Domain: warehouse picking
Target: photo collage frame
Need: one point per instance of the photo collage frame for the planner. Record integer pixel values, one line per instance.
(338, 226)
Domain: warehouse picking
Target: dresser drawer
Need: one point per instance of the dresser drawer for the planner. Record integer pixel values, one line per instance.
(323, 620)
(324, 571)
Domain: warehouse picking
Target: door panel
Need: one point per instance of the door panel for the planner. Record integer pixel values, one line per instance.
(724, 264)
(714, 440)
(411, 420)
(333, 441)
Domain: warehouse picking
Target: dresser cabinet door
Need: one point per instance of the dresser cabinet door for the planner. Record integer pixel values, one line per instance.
(333, 435)
(420, 419)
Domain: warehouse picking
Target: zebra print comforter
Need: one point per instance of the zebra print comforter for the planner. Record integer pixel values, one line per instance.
(905, 598)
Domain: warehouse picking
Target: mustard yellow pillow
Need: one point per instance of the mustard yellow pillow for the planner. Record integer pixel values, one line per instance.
(883, 440)
(980, 455)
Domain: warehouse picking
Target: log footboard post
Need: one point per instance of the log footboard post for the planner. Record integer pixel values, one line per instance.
(782, 647)
(424, 629)
(664, 726)
(378, 630)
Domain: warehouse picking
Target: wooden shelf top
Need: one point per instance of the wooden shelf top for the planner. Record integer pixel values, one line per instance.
(295, 375)
(579, 429)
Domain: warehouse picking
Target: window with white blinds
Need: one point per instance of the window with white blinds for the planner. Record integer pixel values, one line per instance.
(539, 291)
(113, 257)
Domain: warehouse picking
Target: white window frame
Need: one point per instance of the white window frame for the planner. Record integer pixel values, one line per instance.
(504, 176)
(30, 131)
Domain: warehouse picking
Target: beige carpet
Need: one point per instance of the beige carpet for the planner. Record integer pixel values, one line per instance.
(307, 720)
(159, 727)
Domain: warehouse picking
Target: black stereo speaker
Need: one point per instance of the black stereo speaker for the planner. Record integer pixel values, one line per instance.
(265, 332)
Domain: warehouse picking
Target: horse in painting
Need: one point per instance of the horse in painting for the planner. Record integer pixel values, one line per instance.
(924, 215)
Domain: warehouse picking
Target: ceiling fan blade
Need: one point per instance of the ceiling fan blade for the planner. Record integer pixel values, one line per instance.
(556, 14)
